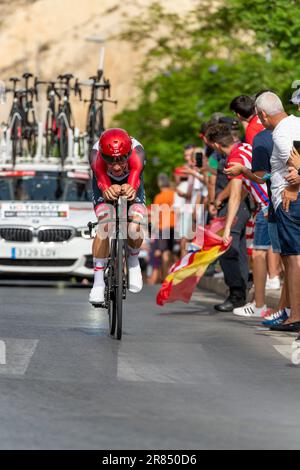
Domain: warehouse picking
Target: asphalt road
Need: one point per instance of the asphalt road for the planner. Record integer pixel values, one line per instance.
(183, 377)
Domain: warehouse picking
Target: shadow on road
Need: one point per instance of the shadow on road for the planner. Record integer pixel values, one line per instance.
(45, 282)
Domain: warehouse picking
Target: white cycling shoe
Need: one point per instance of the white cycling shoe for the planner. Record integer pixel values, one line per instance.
(135, 279)
(97, 295)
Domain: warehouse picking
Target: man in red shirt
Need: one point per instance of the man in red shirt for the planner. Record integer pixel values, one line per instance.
(244, 108)
(223, 140)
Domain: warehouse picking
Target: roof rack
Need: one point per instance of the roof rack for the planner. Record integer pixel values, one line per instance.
(77, 154)
(44, 167)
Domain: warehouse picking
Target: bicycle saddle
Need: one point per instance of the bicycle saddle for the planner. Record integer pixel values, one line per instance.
(66, 76)
(27, 75)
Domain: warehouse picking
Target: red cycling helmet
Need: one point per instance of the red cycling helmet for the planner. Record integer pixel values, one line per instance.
(115, 145)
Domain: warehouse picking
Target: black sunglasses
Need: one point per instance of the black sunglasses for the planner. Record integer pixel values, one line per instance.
(120, 159)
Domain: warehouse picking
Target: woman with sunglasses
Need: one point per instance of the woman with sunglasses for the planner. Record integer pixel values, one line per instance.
(117, 161)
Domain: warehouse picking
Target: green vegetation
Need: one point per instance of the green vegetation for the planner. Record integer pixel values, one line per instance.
(196, 64)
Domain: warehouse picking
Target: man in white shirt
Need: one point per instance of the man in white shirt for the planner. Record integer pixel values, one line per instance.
(286, 199)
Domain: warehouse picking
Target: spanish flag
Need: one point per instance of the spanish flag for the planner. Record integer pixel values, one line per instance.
(186, 273)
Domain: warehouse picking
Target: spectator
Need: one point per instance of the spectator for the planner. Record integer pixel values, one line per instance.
(285, 198)
(154, 254)
(197, 181)
(265, 232)
(234, 262)
(181, 208)
(295, 99)
(165, 200)
(212, 157)
(188, 153)
(244, 108)
(154, 271)
(190, 192)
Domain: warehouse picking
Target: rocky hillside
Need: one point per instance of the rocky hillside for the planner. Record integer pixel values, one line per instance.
(48, 37)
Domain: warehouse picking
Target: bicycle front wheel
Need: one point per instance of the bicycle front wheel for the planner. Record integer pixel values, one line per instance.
(63, 141)
(111, 296)
(118, 297)
(17, 140)
(50, 134)
(91, 130)
(31, 142)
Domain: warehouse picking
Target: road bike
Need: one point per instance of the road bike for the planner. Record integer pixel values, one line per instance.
(31, 125)
(51, 141)
(65, 119)
(116, 272)
(59, 124)
(22, 126)
(95, 115)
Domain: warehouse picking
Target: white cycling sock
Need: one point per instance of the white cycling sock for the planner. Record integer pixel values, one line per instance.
(133, 258)
(99, 267)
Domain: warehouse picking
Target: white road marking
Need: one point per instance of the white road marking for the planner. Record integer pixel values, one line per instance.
(284, 350)
(2, 353)
(18, 355)
(132, 368)
(172, 367)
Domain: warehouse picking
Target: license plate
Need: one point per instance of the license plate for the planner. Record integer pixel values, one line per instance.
(33, 253)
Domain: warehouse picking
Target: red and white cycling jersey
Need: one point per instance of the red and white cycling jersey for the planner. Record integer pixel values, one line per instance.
(242, 153)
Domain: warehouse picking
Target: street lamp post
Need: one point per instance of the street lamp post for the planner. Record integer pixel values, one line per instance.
(99, 40)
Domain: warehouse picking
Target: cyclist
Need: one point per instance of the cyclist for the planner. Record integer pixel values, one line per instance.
(117, 161)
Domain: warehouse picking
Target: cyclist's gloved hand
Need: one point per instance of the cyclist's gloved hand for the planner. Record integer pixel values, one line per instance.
(128, 191)
(112, 193)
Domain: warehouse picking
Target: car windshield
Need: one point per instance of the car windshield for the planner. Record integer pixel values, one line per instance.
(45, 186)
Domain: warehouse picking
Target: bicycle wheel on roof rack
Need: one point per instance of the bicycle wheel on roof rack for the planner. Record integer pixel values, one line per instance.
(91, 132)
(99, 125)
(63, 141)
(32, 141)
(50, 134)
(17, 142)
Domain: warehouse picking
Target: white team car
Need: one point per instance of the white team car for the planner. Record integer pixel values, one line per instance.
(43, 220)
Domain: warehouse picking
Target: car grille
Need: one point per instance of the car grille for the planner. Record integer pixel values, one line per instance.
(43, 234)
(37, 262)
(55, 235)
(15, 234)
